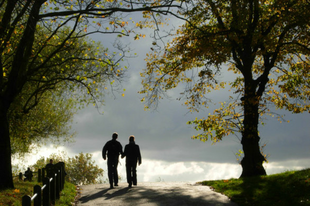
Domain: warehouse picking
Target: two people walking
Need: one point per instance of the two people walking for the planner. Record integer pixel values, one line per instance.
(113, 149)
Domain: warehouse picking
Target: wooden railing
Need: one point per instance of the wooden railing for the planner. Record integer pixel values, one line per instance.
(50, 191)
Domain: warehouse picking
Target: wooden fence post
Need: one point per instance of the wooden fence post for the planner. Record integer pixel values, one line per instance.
(57, 189)
(52, 186)
(26, 201)
(46, 192)
(62, 175)
(39, 175)
(37, 200)
(61, 166)
(53, 189)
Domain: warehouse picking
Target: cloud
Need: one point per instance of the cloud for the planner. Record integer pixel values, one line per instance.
(172, 171)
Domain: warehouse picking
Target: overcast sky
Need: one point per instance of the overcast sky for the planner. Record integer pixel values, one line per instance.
(168, 152)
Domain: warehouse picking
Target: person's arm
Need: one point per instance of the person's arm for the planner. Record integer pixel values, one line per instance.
(121, 150)
(139, 155)
(104, 151)
(125, 152)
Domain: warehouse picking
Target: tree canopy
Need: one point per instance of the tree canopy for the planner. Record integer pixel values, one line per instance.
(43, 47)
(49, 121)
(264, 43)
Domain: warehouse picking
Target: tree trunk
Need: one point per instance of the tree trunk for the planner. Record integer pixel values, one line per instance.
(6, 179)
(252, 163)
(9, 90)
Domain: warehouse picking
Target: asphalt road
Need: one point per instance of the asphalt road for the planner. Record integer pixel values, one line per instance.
(151, 194)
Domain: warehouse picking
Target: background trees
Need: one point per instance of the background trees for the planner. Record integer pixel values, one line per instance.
(80, 169)
(265, 44)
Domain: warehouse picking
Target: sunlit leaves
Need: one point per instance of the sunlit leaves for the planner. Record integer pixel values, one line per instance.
(223, 122)
(80, 169)
(49, 121)
(264, 43)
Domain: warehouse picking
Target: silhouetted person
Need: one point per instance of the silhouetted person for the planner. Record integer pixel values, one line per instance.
(28, 175)
(133, 156)
(114, 149)
(49, 168)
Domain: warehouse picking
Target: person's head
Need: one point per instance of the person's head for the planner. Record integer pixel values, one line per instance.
(131, 138)
(51, 161)
(114, 135)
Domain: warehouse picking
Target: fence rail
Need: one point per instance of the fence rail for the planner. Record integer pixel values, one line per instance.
(50, 191)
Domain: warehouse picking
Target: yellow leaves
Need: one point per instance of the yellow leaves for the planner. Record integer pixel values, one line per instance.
(137, 37)
(139, 25)
(123, 23)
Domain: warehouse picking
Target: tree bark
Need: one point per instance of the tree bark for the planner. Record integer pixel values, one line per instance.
(252, 163)
(6, 179)
(10, 89)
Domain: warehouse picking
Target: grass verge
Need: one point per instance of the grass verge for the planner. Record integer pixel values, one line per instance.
(13, 197)
(67, 195)
(284, 189)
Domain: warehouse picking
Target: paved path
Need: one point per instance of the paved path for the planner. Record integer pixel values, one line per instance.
(151, 194)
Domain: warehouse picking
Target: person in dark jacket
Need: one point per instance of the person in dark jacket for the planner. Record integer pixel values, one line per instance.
(133, 156)
(49, 168)
(114, 149)
(28, 174)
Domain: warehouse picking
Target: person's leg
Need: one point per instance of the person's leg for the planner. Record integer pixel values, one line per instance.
(128, 173)
(134, 174)
(110, 173)
(115, 172)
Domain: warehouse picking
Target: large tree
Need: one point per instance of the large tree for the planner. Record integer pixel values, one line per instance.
(266, 46)
(40, 44)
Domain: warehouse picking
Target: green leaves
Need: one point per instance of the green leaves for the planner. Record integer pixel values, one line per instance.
(263, 43)
(80, 169)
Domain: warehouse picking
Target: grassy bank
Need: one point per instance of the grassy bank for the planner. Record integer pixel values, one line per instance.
(285, 189)
(13, 197)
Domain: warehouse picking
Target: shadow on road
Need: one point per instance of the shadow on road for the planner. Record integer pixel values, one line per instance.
(153, 195)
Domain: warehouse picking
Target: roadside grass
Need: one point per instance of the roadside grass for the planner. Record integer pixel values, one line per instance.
(13, 197)
(67, 195)
(290, 188)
